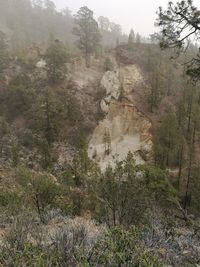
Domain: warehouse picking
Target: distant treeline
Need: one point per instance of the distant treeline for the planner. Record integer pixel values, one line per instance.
(27, 21)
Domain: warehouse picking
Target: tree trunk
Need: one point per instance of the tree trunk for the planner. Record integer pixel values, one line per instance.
(188, 179)
(87, 59)
(180, 166)
(194, 134)
(48, 123)
(190, 104)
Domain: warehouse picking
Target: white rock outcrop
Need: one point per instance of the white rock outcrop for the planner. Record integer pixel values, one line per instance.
(41, 64)
(129, 129)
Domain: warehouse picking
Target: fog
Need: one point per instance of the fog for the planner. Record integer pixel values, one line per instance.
(137, 14)
(26, 21)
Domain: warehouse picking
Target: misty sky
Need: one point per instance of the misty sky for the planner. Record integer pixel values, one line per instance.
(137, 14)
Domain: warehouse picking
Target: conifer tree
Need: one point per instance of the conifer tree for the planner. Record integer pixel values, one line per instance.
(3, 52)
(131, 39)
(56, 58)
(107, 142)
(169, 142)
(87, 31)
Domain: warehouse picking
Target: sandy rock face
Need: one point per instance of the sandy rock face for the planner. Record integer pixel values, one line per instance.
(131, 78)
(111, 83)
(129, 129)
(127, 79)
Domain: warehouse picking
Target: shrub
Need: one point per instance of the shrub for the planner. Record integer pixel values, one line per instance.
(120, 247)
(42, 190)
(10, 202)
(108, 65)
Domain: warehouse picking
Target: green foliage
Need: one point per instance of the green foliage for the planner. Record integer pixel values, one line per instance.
(18, 96)
(158, 185)
(181, 114)
(32, 256)
(107, 142)
(127, 192)
(177, 27)
(42, 190)
(3, 52)
(47, 114)
(56, 57)
(86, 28)
(138, 39)
(15, 152)
(194, 188)
(11, 202)
(120, 247)
(108, 65)
(46, 153)
(4, 131)
(73, 112)
(156, 83)
(121, 92)
(116, 248)
(169, 142)
(148, 260)
(79, 179)
(4, 127)
(82, 166)
(131, 39)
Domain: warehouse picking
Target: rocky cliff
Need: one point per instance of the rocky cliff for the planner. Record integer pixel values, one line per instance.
(126, 128)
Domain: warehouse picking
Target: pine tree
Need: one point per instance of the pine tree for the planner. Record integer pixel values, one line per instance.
(178, 24)
(87, 31)
(108, 65)
(56, 57)
(131, 39)
(3, 52)
(47, 114)
(138, 39)
(107, 142)
(155, 80)
(168, 142)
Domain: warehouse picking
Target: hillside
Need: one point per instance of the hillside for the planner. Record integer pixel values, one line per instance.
(99, 144)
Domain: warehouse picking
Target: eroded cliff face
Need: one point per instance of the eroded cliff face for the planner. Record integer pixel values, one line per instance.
(126, 127)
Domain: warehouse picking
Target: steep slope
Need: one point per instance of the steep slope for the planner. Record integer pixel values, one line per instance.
(128, 129)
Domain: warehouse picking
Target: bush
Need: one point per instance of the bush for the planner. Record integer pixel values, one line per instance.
(30, 245)
(127, 192)
(10, 202)
(30, 256)
(120, 247)
(42, 190)
(108, 65)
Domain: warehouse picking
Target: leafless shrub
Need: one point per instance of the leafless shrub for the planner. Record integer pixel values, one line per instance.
(74, 239)
(177, 245)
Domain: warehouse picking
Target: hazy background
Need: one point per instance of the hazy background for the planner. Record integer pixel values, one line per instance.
(27, 21)
(137, 14)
